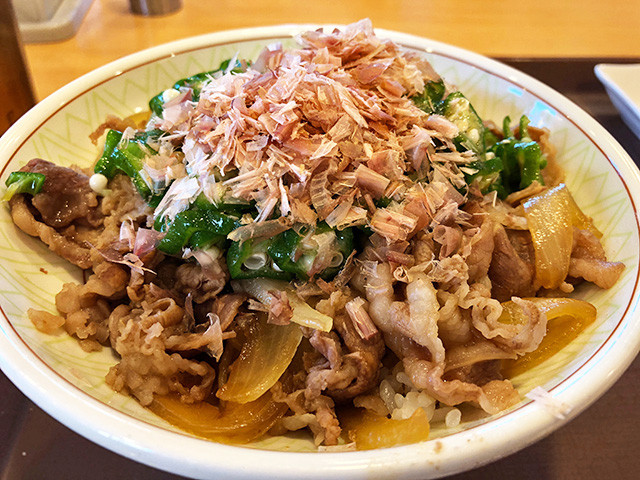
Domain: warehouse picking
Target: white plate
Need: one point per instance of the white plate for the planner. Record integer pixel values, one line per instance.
(622, 82)
(68, 383)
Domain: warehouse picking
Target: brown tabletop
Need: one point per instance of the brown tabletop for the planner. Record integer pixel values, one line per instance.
(544, 28)
(602, 442)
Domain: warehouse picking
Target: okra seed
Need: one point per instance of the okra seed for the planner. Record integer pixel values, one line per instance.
(98, 182)
(169, 94)
(255, 261)
(336, 260)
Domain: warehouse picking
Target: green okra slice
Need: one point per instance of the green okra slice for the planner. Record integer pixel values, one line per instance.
(289, 254)
(127, 155)
(458, 109)
(208, 226)
(250, 259)
(431, 99)
(23, 182)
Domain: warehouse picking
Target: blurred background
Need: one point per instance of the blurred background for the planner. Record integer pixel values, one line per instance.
(107, 30)
(45, 44)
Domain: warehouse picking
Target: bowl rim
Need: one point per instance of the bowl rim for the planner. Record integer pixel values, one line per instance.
(175, 452)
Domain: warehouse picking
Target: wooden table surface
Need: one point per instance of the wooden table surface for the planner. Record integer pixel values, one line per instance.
(543, 28)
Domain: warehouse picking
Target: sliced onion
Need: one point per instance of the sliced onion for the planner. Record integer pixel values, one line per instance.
(482, 351)
(303, 314)
(567, 317)
(235, 423)
(259, 288)
(372, 431)
(552, 307)
(265, 355)
(579, 219)
(550, 222)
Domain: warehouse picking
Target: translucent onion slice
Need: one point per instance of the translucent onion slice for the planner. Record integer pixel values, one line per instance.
(371, 431)
(550, 222)
(303, 314)
(235, 423)
(567, 317)
(579, 219)
(259, 288)
(265, 355)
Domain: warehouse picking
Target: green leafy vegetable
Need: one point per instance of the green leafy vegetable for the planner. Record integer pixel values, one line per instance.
(127, 156)
(23, 182)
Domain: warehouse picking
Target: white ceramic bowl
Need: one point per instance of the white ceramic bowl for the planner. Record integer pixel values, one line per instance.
(68, 383)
